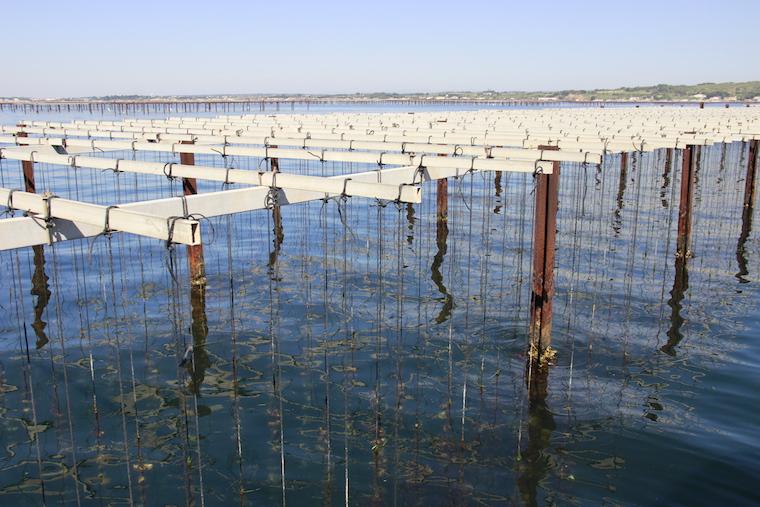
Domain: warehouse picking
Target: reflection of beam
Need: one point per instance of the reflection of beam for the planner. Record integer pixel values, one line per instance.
(680, 286)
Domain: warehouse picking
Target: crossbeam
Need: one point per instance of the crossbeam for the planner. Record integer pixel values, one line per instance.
(107, 218)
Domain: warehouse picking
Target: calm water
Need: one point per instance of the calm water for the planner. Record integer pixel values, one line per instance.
(365, 352)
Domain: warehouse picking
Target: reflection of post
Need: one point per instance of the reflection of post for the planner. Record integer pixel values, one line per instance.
(534, 463)
(441, 237)
(40, 288)
(194, 252)
(544, 239)
(279, 235)
(747, 212)
(680, 285)
(410, 223)
(666, 176)
(686, 200)
(497, 185)
(621, 191)
(199, 330)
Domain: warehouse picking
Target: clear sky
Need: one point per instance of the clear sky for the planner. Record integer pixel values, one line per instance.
(74, 48)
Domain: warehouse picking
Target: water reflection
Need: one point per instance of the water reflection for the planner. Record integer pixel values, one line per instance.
(410, 223)
(497, 187)
(534, 464)
(199, 329)
(666, 177)
(618, 220)
(40, 289)
(741, 249)
(677, 294)
(279, 236)
(441, 237)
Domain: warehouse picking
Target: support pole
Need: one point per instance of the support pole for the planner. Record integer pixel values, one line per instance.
(40, 287)
(27, 167)
(688, 173)
(194, 252)
(749, 181)
(442, 199)
(544, 240)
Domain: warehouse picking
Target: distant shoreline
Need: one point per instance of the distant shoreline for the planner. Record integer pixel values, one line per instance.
(46, 103)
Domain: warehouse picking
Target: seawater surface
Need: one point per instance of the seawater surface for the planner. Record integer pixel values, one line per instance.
(354, 352)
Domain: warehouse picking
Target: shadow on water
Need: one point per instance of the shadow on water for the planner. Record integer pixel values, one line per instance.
(41, 289)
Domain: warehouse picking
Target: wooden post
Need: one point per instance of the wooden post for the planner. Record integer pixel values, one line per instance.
(544, 240)
(688, 171)
(194, 252)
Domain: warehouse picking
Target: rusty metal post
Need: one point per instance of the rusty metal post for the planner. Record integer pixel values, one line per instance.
(544, 241)
(28, 168)
(688, 172)
(274, 163)
(194, 252)
(442, 199)
(749, 180)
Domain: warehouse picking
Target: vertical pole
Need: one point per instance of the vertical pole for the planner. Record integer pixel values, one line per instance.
(749, 181)
(28, 168)
(688, 171)
(40, 287)
(194, 252)
(544, 240)
(442, 199)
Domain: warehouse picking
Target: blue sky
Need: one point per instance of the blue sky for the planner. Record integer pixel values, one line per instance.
(74, 48)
